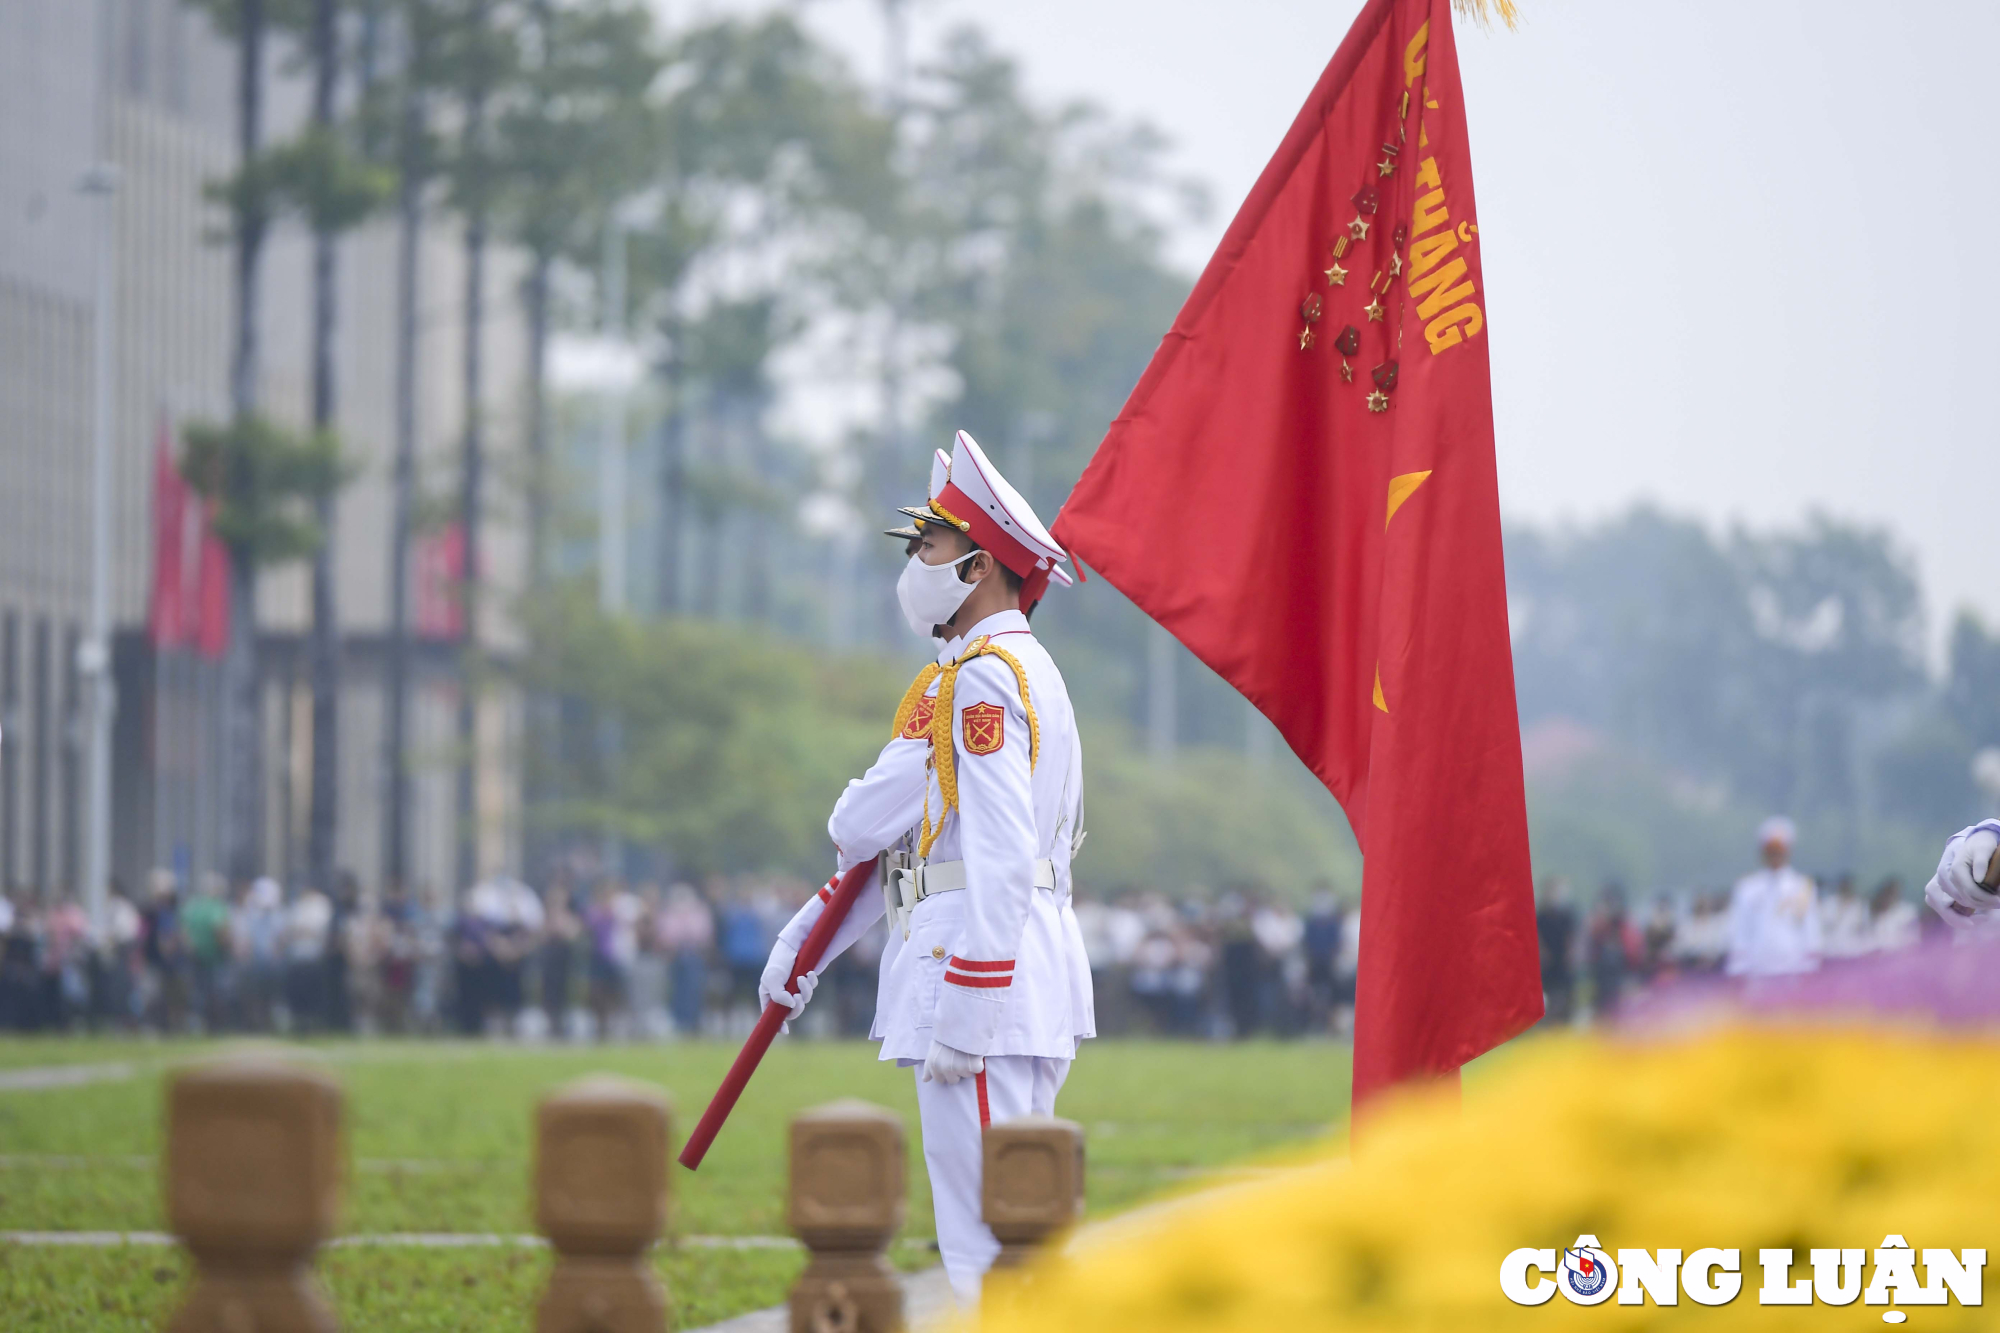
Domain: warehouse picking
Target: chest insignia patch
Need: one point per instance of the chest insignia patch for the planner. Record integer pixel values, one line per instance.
(985, 728)
(919, 726)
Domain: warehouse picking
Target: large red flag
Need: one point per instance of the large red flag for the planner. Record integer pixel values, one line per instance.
(1302, 490)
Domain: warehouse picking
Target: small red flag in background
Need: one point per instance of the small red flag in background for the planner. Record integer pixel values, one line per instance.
(190, 595)
(211, 630)
(439, 575)
(166, 617)
(1302, 490)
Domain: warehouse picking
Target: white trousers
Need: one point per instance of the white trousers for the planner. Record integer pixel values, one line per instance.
(953, 1120)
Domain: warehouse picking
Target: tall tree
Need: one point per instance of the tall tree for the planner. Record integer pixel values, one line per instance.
(248, 197)
(1747, 661)
(323, 177)
(769, 154)
(727, 353)
(1034, 241)
(478, 61)
(324, 655)
(266, 484)
(243, 717)
(1972, 683)
(576, 141)
(322, 822)
(405, 102)
(661, 256)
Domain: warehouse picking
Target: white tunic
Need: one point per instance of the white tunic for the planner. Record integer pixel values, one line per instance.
(997, 968)
(1774, 926)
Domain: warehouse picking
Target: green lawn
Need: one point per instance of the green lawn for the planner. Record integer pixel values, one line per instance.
(438, 1138)
(40, 1052)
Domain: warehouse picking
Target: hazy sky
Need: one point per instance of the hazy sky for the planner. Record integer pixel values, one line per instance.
(1735, 257)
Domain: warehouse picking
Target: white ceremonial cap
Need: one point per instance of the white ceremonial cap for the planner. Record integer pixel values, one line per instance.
(940, 476)
(981, 503)
(1777, 829)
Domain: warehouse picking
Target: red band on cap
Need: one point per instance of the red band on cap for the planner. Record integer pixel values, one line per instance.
(984, 528)
(1032, 588)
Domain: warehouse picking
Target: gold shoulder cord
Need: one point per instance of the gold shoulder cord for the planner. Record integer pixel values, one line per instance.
(911, 697)
(942, 756)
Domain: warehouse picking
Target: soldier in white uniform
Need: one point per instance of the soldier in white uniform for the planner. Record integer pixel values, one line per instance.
(1958, 891)
(1774, 926)
(985, 988)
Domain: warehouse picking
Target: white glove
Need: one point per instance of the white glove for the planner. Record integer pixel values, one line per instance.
(1958, 918)
(771, 986)
(948, 1064)
(1966, 858)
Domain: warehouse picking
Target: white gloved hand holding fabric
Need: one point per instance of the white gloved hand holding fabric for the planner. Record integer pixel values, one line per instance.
(947, 1064)
(1948, 910)
(1954, 893)
(778, 971)
(1967, 859)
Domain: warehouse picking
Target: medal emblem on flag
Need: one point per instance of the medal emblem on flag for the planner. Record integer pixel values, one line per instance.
(985, 728)
(919, 725)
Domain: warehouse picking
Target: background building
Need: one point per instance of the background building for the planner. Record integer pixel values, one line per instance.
(149, 86)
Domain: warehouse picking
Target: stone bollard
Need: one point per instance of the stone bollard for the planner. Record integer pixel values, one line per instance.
(253, 1184)
(848, 1197)
(601, 1199)
(1031, 1183)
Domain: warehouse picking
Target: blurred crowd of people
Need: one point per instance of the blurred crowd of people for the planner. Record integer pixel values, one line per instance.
(576, 959)
(1235, 966)
(1597, 957)
(591, 957)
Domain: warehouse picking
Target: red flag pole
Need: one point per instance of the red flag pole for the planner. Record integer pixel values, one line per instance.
(719, 1106)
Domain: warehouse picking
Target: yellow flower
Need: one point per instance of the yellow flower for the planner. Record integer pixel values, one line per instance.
(1743, 1140)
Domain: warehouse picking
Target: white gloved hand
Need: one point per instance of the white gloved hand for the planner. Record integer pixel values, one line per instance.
(948, 1064)
(1966, 858)
(1948, 909)
(771, 986)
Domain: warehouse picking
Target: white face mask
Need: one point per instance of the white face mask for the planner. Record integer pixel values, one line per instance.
(931, 594)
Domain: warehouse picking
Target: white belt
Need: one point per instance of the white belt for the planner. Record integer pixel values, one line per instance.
(904, 889)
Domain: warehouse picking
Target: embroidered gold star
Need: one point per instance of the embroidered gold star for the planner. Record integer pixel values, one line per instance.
(1378, 401)
(1336, 276)
(1305, 339)
(1346, 372)
(1359, 228)
(1385, 166)
(1374, 309)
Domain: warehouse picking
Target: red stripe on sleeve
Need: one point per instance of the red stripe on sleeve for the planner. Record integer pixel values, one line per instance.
(958, 979)
(967, 965)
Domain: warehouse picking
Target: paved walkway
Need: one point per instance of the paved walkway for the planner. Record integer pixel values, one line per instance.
(927, 1296)
(927, 1303)
(42, 1077)
(28, 1161)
